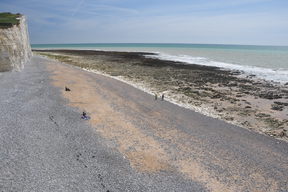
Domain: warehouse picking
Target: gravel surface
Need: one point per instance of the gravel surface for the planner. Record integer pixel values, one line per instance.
(232, 96)
(46, 146)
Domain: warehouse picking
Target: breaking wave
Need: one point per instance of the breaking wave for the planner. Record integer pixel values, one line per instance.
(275, 75)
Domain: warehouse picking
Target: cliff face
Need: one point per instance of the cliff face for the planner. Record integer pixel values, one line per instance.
(15, 48)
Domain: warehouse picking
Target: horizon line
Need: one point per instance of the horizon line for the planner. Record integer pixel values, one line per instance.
(162, 44)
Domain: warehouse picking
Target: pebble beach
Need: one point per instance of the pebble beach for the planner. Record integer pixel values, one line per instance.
(232, 96)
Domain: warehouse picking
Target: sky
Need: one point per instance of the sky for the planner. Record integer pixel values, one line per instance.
(249, 22)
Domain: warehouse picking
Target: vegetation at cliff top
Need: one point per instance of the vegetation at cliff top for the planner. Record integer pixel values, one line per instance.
(9, 19)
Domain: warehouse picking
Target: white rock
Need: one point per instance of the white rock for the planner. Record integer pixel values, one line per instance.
(15, 49)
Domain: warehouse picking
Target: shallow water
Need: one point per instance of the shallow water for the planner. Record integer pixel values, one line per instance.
(267, 62)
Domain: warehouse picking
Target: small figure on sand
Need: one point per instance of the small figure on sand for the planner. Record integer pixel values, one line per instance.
(155, 96)
(85, 116)
(67, 89)
(162, 97)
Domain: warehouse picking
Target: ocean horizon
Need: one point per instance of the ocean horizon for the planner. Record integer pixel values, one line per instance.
(267, 62)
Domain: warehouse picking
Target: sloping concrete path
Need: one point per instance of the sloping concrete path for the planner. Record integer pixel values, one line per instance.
(131, 143)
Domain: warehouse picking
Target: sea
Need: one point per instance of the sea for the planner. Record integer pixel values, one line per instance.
(265, 62)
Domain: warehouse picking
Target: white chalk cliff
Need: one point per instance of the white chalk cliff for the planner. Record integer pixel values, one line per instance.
(15, 49)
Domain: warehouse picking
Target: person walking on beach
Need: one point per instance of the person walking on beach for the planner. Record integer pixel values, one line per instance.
(155, 96)
(162, 97)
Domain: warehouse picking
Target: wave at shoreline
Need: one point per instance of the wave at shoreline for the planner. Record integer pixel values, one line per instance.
(279, 75)
(269, 74)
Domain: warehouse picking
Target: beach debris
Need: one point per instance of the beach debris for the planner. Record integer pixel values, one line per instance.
(270, 95)
(281, 103)
(51, 117)
(251, 76)
(246, 123)
(85, 116)
(232, 84)
(261, 115)
(67, 89)
(229, 118)
(277, 107)
(278, 133)
(216, 96)
(236, 73)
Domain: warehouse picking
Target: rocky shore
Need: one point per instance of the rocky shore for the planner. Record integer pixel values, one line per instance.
(232, 96)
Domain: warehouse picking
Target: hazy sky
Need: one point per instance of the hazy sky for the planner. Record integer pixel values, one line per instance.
(154, 21)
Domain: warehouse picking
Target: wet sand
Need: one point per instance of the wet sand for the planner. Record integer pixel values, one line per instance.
(245, 101)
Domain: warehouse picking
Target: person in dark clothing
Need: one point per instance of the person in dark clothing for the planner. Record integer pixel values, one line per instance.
(162, 97)
(67, 89)
(85, 116)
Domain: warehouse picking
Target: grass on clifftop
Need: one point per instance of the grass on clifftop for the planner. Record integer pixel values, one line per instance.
(9, 19)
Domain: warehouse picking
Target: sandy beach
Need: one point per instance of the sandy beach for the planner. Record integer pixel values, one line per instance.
(246, 101)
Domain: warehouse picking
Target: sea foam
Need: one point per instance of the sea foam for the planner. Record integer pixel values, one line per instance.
(275, 75)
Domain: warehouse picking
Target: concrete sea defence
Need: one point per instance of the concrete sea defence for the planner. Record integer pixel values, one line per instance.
(15, 50)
